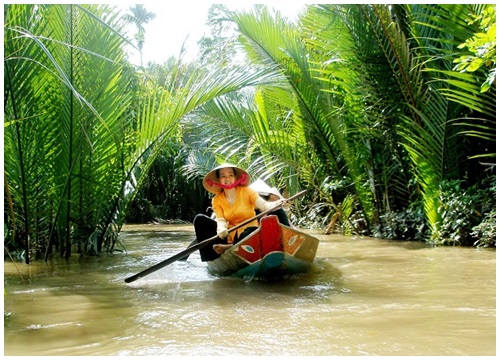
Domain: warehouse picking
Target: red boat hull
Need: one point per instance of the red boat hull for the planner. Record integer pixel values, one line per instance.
(273, 250)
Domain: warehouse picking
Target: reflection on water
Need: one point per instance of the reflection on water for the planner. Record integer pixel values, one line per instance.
(362, 297)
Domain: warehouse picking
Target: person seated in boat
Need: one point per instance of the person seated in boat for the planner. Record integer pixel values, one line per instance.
(270, 194)
(234, 202)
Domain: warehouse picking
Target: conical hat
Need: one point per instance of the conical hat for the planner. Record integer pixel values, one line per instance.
(210, 181)
(263, 189)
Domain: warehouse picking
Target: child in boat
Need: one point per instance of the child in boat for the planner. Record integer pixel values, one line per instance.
(270, 194)
(234, 202)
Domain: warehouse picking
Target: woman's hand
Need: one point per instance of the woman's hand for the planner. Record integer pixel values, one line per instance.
(222, 233)
(222, 228)
(220, 248)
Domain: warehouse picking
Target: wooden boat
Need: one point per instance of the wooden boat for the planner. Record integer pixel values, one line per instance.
(272, 251)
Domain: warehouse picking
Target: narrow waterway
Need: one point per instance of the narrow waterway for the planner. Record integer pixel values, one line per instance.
(363, 297)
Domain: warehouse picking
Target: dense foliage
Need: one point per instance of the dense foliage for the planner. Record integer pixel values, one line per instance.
(378, 111)
(386, 114)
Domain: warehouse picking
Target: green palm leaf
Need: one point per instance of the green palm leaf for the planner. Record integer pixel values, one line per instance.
(276, 43)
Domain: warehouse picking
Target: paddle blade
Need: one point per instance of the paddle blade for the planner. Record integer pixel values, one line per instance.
(179, 256)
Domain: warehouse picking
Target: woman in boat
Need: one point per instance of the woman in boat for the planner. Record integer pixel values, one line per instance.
(234, 202)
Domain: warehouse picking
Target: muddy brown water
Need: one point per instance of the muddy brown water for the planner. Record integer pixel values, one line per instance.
(363, 296)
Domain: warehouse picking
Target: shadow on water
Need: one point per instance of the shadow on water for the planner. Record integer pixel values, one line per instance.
(189, 282)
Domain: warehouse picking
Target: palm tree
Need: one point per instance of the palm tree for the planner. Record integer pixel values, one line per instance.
(293, 128)
(427, 40)
(76, 149)
(63, 129)
(140, 17)
(370, 92)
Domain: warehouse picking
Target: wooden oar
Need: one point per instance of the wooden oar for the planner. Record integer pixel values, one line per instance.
(203, 243)
(190, 244)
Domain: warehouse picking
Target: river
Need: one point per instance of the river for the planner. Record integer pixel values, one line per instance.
(364, 296)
